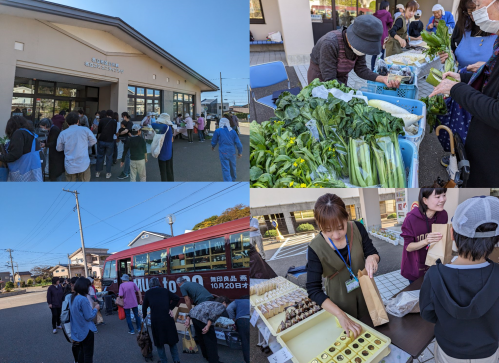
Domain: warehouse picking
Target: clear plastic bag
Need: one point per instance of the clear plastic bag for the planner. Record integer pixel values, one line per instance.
(312, 127)
(404, 303)
(389, 162)
(362, 169)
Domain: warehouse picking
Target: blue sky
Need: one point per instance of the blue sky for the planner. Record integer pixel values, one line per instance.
(42, 219)
(209, 36)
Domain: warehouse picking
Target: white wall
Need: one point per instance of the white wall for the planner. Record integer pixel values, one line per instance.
(272, 20)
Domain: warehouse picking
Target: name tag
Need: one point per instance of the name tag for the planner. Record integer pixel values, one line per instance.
(351, 285)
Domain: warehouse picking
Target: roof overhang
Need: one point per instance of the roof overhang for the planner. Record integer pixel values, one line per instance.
(56, 13)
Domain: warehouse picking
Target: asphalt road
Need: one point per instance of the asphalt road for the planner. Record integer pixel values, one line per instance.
(430, 150)
(27, 337)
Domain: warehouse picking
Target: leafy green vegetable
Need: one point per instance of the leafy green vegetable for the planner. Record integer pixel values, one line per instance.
(435, 106)
(440, 42)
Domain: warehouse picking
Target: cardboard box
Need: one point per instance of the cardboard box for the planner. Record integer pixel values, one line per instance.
(182, 308)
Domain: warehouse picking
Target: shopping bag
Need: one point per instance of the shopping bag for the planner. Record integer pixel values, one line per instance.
(28, 168)
(100, 319)
(119, 301)
(457, 119)
(157, 144)
(189, 345)
(442, 249)
(275, 37)
(373, 299)
(121, 313)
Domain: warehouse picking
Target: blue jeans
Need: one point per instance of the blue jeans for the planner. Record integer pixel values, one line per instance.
(129, 319)
(127, 163)
(228, 162)
(201, 135)
(104, 149)
(173, 351)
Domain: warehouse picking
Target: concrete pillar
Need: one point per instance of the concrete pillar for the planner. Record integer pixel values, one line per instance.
(289, 222)
(297, 31)
(369, 202)
(6, 90)
(168, 103)
(119, 96)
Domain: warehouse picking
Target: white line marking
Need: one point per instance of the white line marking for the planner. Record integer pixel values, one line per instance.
(283, 244)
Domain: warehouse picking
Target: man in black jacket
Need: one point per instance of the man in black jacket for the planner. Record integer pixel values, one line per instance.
(105, 142)
(55, 295)
(462, 298)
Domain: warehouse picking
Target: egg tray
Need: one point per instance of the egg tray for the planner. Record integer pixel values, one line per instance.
(314, 339)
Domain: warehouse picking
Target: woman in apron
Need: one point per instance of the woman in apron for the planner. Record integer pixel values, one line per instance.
(398, 33)
(337, 254)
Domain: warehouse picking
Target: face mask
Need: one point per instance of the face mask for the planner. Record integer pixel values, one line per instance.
(97, 117)
(360, 54)
(483, 21)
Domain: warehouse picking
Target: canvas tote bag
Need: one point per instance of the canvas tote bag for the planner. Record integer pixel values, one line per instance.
(189, 345)
(373, 299)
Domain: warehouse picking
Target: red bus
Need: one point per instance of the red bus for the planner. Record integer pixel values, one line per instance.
(216, 257)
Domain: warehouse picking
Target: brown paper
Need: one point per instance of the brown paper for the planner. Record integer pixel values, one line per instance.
(373, 299)
(494, 256)
(442, 249)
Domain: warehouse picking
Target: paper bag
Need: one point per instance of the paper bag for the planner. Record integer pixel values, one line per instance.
(100, 319)
(442, 249)
(189, 345)
(373, 299)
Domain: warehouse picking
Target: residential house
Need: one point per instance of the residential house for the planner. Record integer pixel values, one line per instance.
(214, 107)
(239, 109)
(4, 278)
(22, 276)
(64, 270)
(146, 237)
(95, 257)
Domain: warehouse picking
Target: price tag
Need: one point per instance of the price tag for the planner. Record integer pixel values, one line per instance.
(417, 64)
(220, 334)
(428, 59)
(266, 334)
(281, 356)
(254, 317)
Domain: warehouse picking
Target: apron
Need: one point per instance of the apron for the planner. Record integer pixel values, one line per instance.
(474, 49)
(28, 167)
(392, 45)
(336, 273)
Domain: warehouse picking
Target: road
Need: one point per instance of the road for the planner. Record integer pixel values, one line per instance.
(281, 255)
(27, 336)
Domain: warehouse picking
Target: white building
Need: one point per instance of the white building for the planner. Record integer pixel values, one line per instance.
(95, 257)
(146, 237)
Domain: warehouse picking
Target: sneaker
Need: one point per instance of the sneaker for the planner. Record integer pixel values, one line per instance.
(123, 176)
(97, 174)
(108, 175)
(59, 327)
(54, 331)
(445, 161)
(131, 332)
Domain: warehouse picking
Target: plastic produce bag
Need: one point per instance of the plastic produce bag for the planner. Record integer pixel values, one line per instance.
(404, 303)
(389, 162)
(312, 126)
(362, 168)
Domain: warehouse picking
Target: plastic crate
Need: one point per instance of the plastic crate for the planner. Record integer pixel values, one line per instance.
(404, 91)
(413, 106)
(411, 161)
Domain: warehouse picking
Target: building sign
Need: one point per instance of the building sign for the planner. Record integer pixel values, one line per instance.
(105, 65)
(316, 18)
(401, 203)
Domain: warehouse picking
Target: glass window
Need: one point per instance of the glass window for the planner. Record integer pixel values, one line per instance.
(157, 263)
(44, 108)
(182, 258)
(70, 90)
(140, 267)
(175, 110)
(46, 88)
(210, 255)
(321, 11)
(22, 106)
(140, 91)
(107, 268)
(150, 93)
(157, 108)
(256, 12)
(60, 106)
(63, 270)
(57, 271)
(24, 85)
(92, 92)
(346, 11)
(112, 270)
(191, 110)
(149, 107)
(157, 93)
(131, 90)
(140, 107)
(131, 107)
(239, 248)
(175, 96)
(186, 98)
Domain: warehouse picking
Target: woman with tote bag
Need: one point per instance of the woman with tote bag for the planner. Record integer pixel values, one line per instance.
(162, 146)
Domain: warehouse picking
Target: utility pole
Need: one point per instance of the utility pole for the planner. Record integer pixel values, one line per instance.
(11, 264)
(247, 88)
(81, 231)
(221, 96)
(69, 266)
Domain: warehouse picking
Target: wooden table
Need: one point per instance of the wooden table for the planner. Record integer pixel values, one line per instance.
(410, 333)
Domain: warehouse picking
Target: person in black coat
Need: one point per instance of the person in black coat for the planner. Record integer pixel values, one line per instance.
(481, 100)
(21, 141)
(56, 158)
(164, 331)
(55, 295)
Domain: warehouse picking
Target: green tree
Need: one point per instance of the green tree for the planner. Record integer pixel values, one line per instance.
(38, 280)
(30, 282)
(9, 285)
(230, 214)
(23, 283)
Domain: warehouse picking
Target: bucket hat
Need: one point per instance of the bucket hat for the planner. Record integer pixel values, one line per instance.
(365, 34)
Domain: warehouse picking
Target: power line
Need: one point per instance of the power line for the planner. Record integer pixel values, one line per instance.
(100, 220)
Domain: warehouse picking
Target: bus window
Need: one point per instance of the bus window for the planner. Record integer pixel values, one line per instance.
(140, 267)
(182, 258)
(210, 255)
(112, 270)
(239, 248)
(157, 263)
(107, 268)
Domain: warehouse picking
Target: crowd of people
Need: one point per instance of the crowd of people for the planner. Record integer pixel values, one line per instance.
(70, 141)
(73, 301)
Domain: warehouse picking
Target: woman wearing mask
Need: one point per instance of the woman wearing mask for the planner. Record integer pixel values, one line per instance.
(337, 253)
(398, 33)
(478, 93)
(384, 15)
(417, 234)
(82, 325)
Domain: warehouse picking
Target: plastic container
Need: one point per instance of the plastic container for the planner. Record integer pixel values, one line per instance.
(307, 340)
(413, 106)
(404, 91)
(410, 154)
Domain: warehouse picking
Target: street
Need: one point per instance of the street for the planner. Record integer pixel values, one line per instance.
(27, 336)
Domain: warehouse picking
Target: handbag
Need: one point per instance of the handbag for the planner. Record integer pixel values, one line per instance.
(157, 143)
(121, 313)
(189, 345)
(66, 323)
(28, 167)
(457, 119)
(119, 301)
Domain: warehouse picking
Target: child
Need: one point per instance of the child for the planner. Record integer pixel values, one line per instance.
(416, 26)
(138, 154)
(462, 298)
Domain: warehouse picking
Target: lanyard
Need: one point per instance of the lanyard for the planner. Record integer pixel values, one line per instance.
(349, 257)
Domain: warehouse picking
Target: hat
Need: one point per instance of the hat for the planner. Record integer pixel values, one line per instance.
(164, 118)
(418, 13)
(136, 127)
(186, 115)
(365, 34)
(125, 277)
(437, 7)
(474, 212)
(149, 114)
(400, 6)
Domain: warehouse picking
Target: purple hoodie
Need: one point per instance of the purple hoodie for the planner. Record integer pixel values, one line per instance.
(386, 19)
(414, 229)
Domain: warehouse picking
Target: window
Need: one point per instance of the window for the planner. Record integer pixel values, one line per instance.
(182, 258)
(94, 258)
(157, 263)
(256, 12)
(69, 90)
(103, 258)
(46, 88)
(57, 271)
(183, 103)
(63, 270)
(24, 85)
(304, 214)
(239, 248)
(107, 269)
(112, 270)
(141, 101)
(210, 255)
(140, 266)
(22, 106)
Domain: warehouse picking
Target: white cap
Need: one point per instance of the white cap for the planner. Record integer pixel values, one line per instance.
(186, 115)
(400, 6)
(437, 7)
(418, 13)
(474, 212)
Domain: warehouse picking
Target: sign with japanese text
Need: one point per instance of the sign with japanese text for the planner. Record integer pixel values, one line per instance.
(104, 65)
